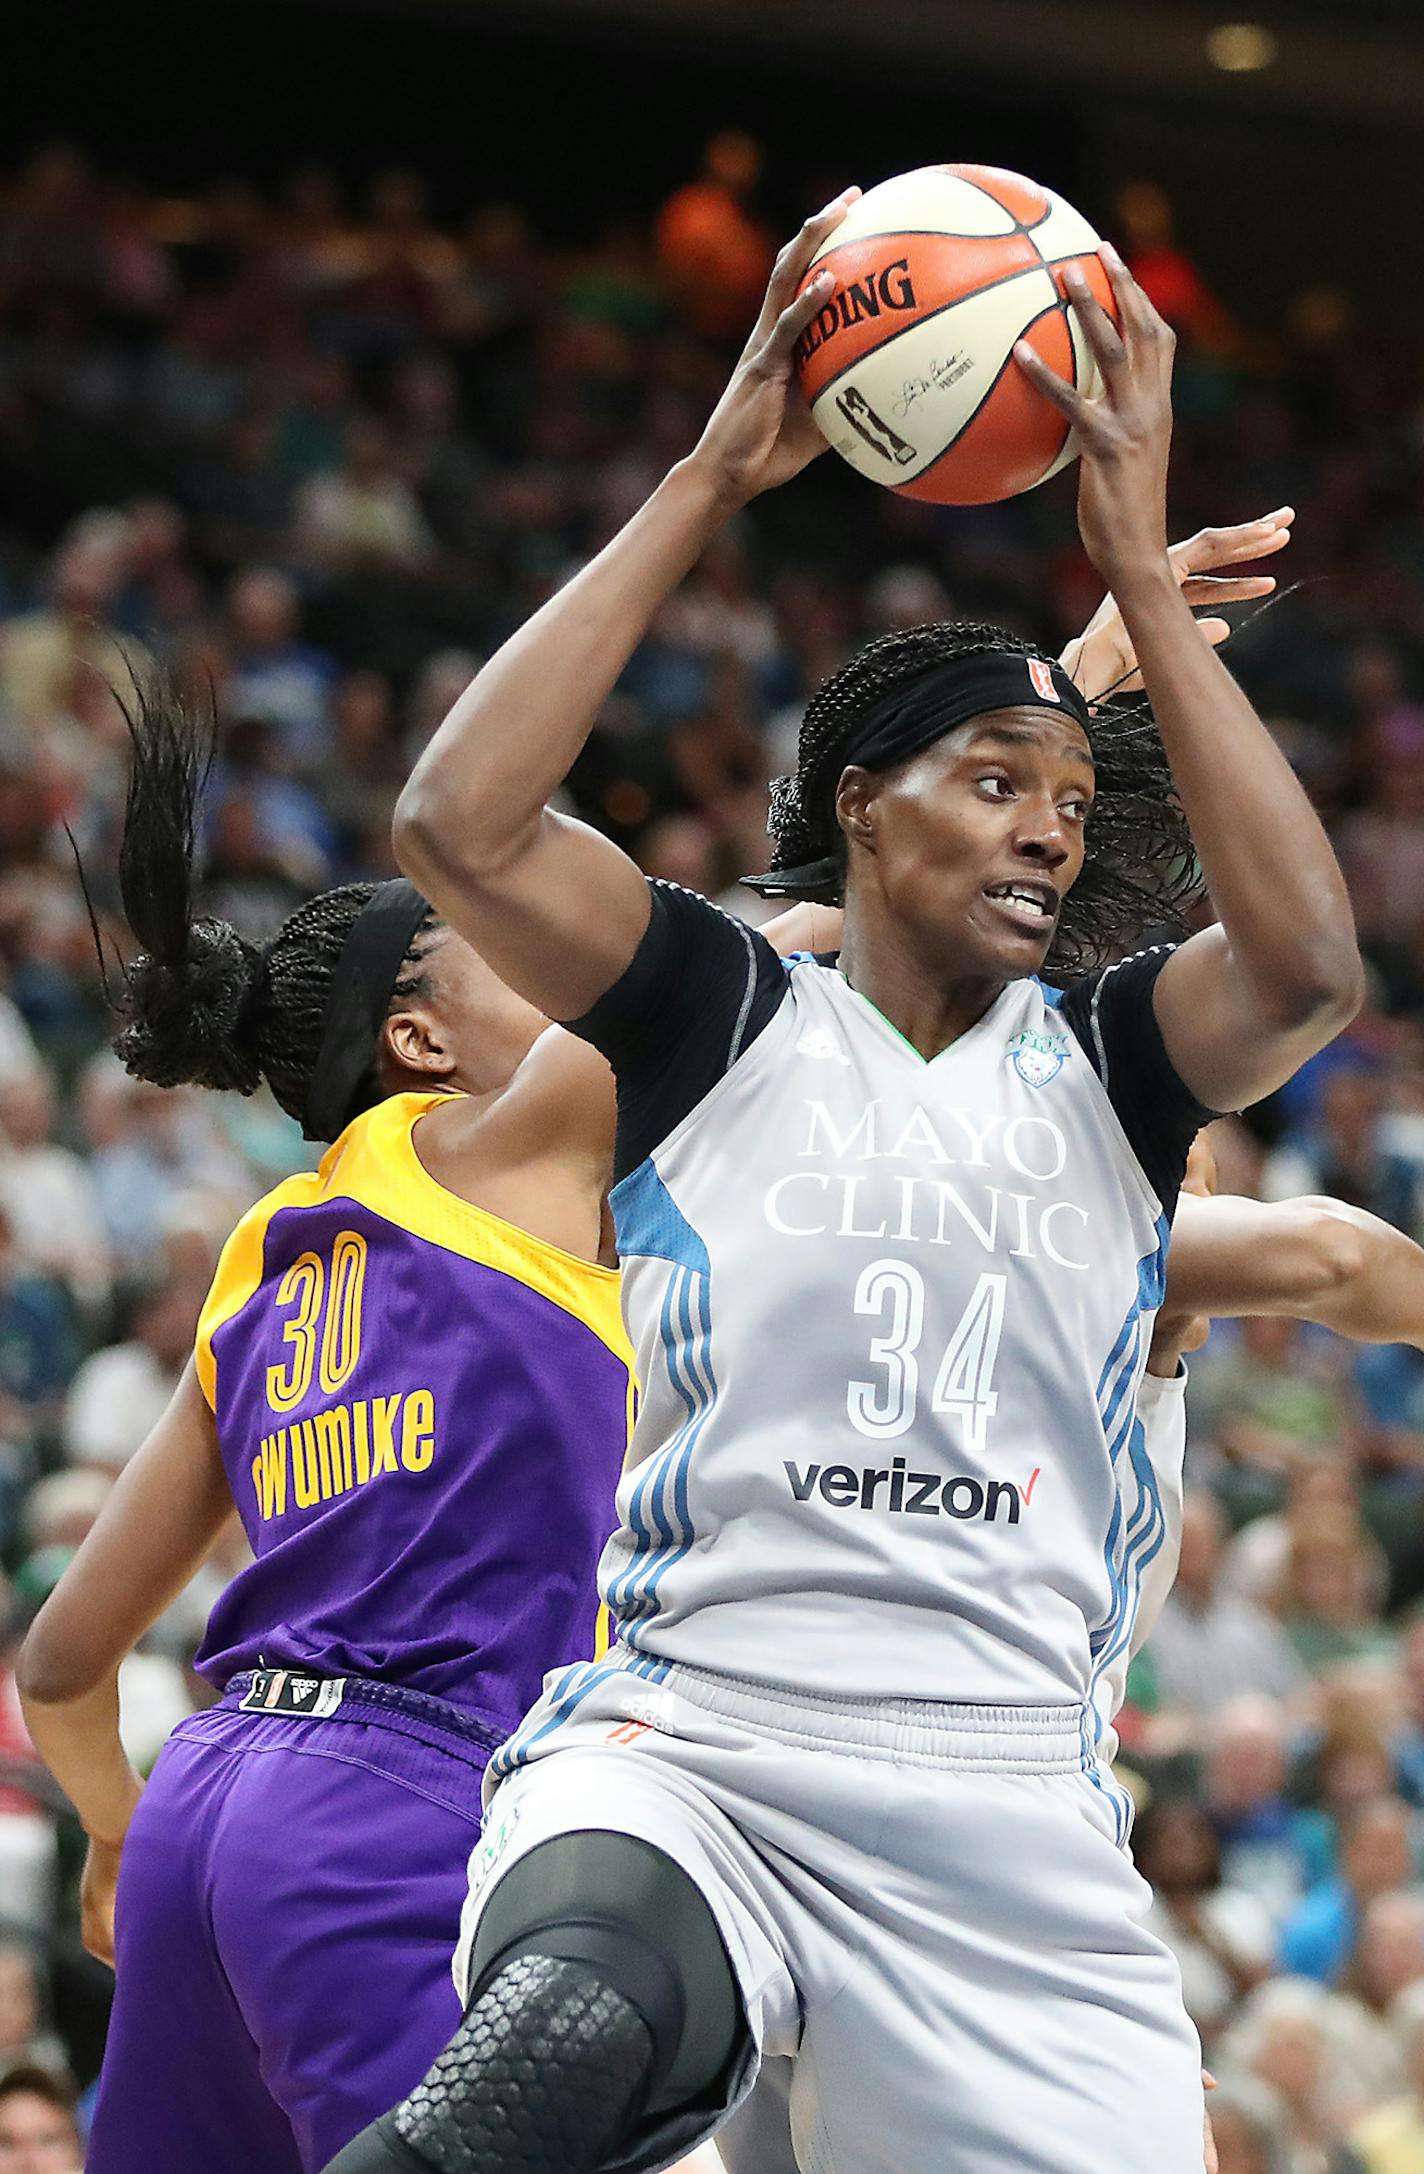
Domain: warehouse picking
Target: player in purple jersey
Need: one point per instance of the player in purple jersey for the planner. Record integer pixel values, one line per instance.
(412, 1381)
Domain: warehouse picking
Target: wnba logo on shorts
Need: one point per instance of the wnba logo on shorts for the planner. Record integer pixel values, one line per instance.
(1042, 676)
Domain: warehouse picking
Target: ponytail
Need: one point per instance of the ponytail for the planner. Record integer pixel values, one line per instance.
(193, 996)
(204, 1005)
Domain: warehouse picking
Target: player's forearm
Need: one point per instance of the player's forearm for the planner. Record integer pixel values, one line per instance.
(1371, 1282)
(1273, 878)
(1313, 1259)
(78, 1739)
(509, 742)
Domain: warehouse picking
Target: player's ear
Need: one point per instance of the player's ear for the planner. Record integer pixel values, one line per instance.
(855, 805)
(415, 1040)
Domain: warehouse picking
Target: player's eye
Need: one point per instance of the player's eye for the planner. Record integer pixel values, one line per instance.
(1077, 809)
(996, 785)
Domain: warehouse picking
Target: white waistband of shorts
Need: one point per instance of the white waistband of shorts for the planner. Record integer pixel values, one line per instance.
(915, 1731)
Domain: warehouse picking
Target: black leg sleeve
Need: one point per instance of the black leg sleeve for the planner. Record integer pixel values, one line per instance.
(547, 2072)
(602, 2003)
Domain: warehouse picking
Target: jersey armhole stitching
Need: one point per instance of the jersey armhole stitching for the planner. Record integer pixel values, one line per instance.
(1148, 951)
(734, 1049)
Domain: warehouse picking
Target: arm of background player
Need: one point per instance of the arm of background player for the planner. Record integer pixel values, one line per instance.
(1101, 661)
(556, 909)
(1315, 1259)
(1243, 1004)
(157, 1527)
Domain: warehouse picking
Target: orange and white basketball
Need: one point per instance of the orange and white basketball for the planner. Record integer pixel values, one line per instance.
(909, 367)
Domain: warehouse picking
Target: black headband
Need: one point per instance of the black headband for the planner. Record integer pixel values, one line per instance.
(366, 973)
(902, 723)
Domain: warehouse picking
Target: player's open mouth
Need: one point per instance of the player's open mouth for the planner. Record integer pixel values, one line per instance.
(1030, 906)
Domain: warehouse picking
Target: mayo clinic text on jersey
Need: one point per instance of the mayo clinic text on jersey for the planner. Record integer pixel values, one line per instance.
(850, 1201)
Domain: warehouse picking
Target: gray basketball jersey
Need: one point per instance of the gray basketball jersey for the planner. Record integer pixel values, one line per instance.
(891, 1318)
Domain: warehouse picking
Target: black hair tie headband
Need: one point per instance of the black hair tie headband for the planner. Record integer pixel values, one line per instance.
(905, 721)
(366, 973)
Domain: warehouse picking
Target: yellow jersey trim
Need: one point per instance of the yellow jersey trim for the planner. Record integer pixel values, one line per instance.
(375, 1164)
(238, 1275)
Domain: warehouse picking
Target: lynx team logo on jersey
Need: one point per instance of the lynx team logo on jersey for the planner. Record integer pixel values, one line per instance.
(1038, 1058)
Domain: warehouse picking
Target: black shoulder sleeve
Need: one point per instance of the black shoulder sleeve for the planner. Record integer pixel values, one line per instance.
(1113, 1017)
(695, 995)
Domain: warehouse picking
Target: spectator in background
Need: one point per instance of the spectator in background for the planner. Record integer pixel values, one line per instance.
(1344, 1152)
(1382, 842)
(154, 1688)
(1333, 1590)
(1353, 1763)
(363, 514)
(438, 686)
(1409, 1742)
(1256, 1822)
(29, 1851)
(1375, 1859)
(291, 823)
(160, 594)
(1221, 1936)
(1209, 1648)
(714, 253)
(1287, 2037)
(48, 1192)
(39, 2132)
(41, 653)
(1247, 2123)
(275, 675)
(25, 2039)
(396, 272)
(1389, 1952)
(1269, 1406)
(1390, 2139)
(361, 787)
(1166, 273)
(18, 1054)
(59, 1512)
(37, 1352)
(121, 1392)
(156, 1146)
(1259, 1554)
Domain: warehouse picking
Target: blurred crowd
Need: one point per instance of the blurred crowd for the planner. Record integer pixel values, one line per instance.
(317, 455)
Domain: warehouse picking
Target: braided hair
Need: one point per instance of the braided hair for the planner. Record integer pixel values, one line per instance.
(202, 1004)
(1139, 869)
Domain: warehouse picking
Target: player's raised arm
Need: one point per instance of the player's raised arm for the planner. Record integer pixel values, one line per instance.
(556, 909)
(1245, 1002)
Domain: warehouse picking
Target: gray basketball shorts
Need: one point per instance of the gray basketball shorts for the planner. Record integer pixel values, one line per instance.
(936, 1932)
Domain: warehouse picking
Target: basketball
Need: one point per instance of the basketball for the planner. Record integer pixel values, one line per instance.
(909, 367)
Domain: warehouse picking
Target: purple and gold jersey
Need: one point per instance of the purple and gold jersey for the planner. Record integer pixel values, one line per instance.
(423, 1414)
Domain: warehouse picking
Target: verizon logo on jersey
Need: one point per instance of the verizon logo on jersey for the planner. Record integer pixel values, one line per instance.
(911, 1494)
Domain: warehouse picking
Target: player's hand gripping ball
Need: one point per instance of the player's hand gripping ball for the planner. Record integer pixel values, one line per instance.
(909, 366)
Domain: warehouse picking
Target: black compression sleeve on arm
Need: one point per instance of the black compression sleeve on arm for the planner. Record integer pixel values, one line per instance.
(1114, 1020)
(695, 995)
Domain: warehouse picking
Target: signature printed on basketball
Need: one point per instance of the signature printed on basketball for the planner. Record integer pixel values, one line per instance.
(941, 375)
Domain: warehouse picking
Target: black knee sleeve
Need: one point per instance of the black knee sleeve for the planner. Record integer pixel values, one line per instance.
(547, 2072)
(599, 1992)
(636, 1917)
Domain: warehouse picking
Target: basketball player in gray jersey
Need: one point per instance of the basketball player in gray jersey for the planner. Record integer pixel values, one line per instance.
(894, 1228)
